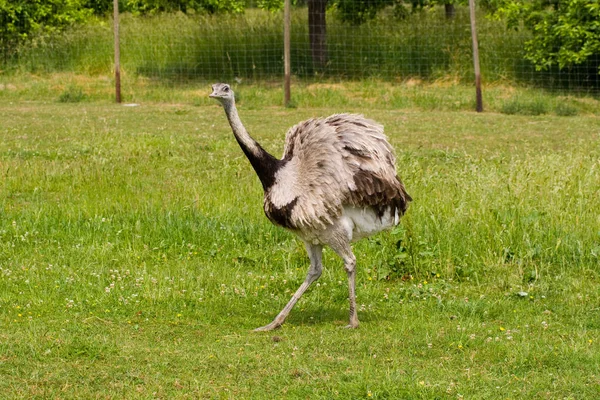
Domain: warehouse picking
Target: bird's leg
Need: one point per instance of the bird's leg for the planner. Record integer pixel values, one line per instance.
(316, 268)
(344, 250)
(350, 267)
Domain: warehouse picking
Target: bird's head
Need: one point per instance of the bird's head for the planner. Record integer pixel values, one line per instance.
(223, 93)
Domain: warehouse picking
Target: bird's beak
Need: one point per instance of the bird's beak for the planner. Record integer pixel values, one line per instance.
(214, 93)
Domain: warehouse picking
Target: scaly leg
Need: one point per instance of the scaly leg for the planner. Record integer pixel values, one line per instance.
(315, 253)
(344, 250)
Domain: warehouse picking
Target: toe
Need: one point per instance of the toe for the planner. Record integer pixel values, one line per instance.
(267, 328)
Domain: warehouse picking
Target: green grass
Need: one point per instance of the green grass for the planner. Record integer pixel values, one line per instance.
(71, 94)
(370, 93)
(135, 257)
(176, 47)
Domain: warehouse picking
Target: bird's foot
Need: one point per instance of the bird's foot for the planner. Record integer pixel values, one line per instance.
(273, 325)
(352, 325)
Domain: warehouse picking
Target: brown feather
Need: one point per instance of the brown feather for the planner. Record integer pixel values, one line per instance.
(340, 160)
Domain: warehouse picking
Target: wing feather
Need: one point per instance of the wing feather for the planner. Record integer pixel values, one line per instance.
(344, 159)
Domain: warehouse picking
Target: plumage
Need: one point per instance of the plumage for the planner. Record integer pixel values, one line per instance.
(335, 183)
(340, 160)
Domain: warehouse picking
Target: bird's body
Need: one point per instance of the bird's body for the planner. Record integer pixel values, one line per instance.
(331, 163)
(336, 183)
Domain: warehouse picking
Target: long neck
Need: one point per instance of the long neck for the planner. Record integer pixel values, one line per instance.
(263, 163)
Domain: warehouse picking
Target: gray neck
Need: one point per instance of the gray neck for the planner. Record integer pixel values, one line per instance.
(264, 164)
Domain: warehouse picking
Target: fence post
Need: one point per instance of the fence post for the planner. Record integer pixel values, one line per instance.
(478, 95)
(287, 24)
(117, 52)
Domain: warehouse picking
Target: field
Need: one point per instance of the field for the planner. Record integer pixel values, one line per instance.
(135, 258)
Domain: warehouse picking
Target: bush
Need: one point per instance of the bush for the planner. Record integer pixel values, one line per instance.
(102, 7)
(21, 19)
(565, 32)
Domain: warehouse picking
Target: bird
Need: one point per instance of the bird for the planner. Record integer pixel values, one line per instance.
(336, 183)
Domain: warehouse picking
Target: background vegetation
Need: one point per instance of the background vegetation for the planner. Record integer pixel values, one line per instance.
(423, 44)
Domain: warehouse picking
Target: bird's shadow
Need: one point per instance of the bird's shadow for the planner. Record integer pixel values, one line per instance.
(311, 316)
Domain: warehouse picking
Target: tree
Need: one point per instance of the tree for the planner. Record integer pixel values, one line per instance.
(317, 32)
(24, 19)
(360, 11)
(565, 32)
(101, 7)
(450, 10)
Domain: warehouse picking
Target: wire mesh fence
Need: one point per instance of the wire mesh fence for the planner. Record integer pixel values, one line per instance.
(429, 45)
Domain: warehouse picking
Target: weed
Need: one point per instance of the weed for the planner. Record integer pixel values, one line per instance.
(565, 110)
(535, 106)
(71, 94)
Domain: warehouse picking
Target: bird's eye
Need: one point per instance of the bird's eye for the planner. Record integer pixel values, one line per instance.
(226, 89)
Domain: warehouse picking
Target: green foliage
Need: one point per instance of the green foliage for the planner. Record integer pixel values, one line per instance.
(102, 7)
(359, 11)
(565, 32)
(183, 46)
(157, 6)
(271, 5)
(23, 19)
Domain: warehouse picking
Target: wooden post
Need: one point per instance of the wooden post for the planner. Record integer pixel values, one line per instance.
(117, 52)
(287, 68)
(478, 95)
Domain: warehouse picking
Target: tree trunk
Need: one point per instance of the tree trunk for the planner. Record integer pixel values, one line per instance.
(450, 10)
(317, 32)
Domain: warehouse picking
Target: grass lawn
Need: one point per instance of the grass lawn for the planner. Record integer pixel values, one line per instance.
(135, 258)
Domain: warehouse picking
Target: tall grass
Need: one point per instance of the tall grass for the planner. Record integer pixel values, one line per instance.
(249, 46)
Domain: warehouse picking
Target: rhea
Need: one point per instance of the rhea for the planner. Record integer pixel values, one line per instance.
(336, 183)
